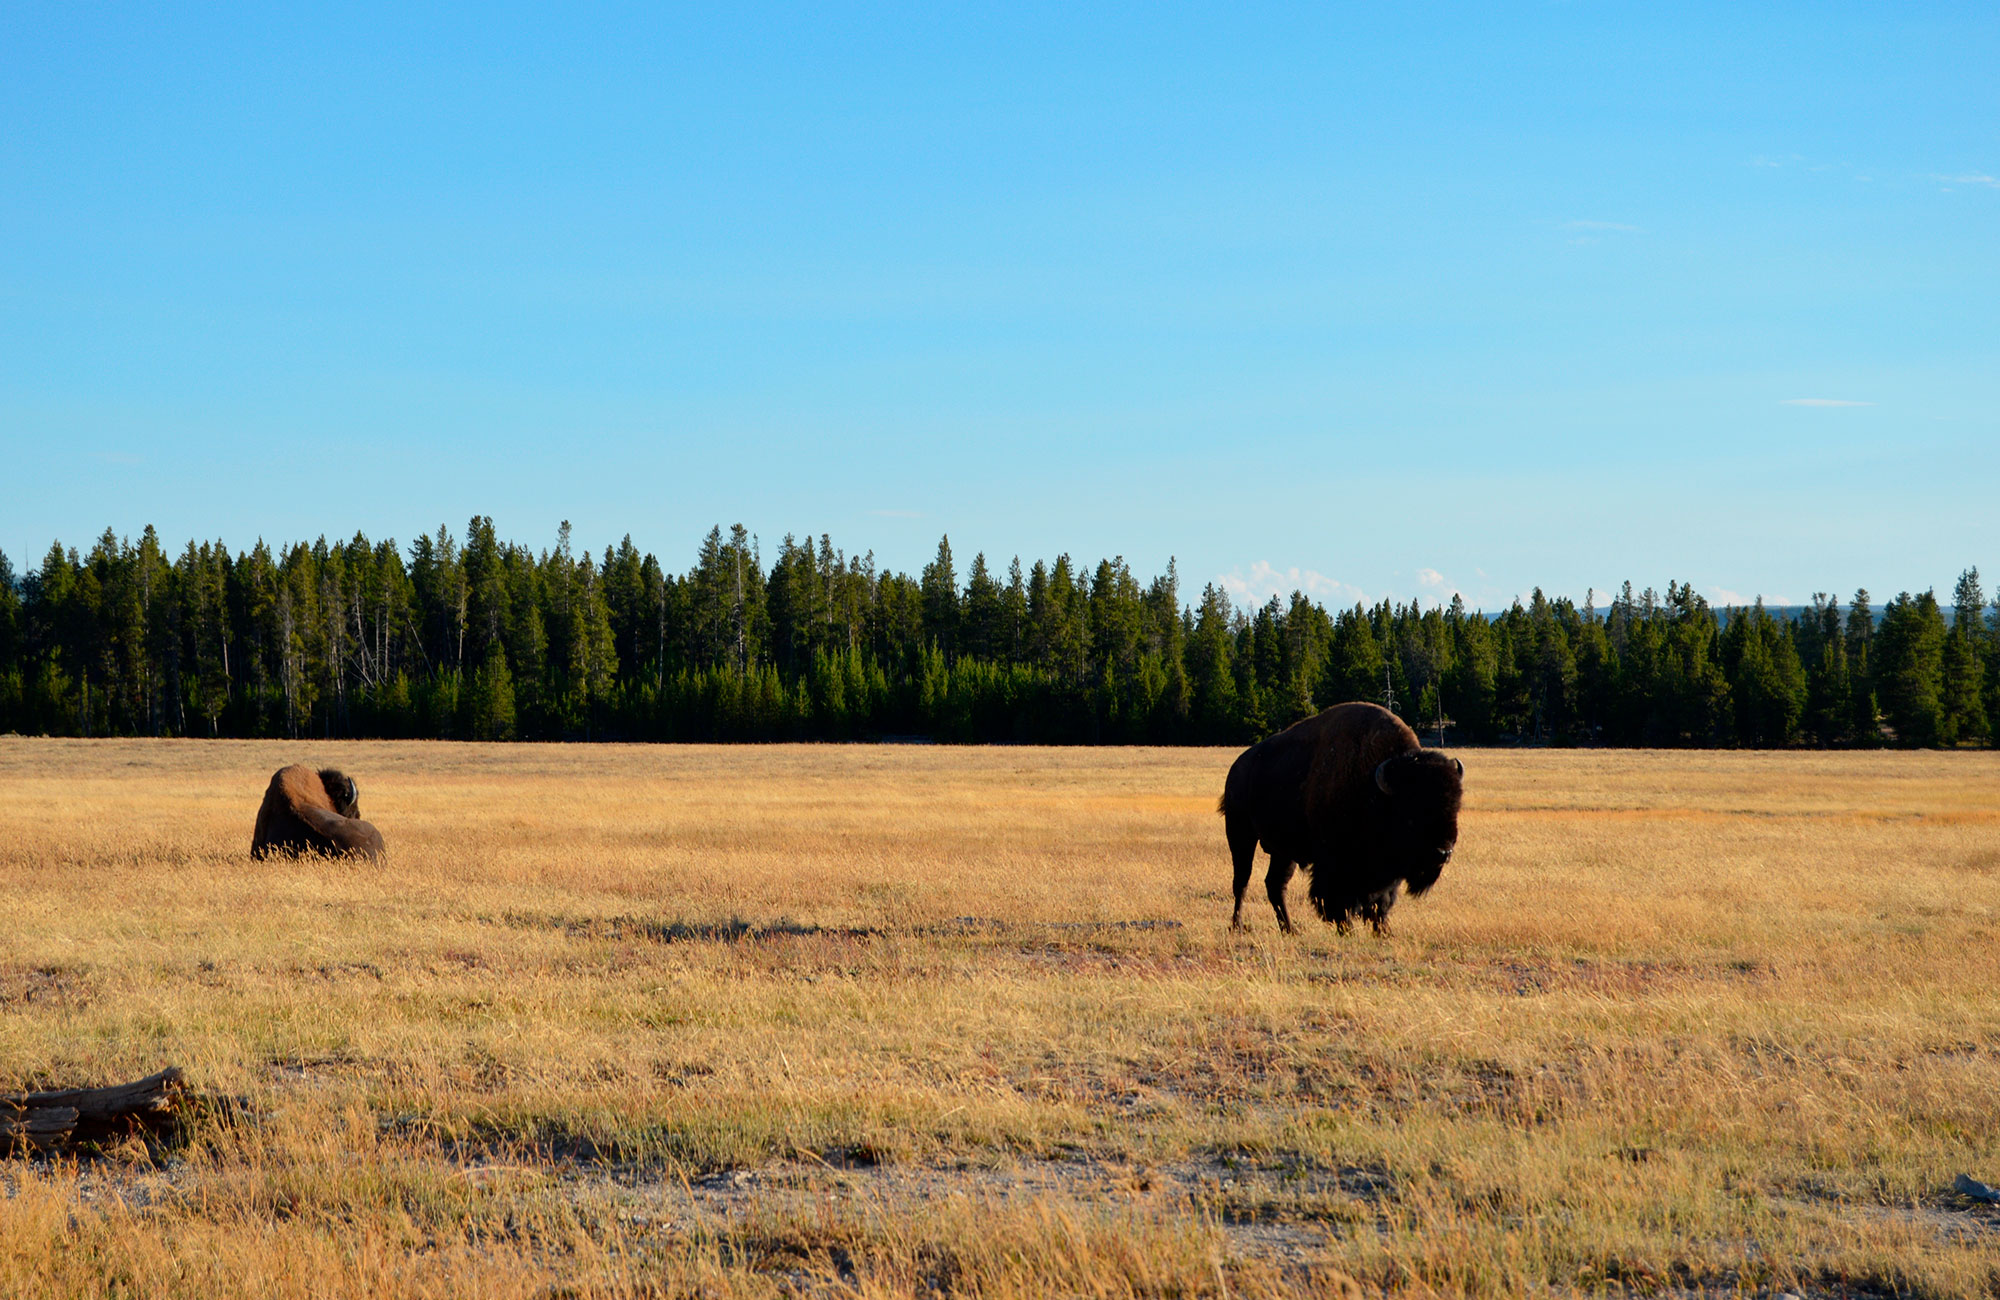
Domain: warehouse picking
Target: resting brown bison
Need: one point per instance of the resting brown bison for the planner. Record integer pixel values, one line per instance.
(1353, 797)
(313, 812)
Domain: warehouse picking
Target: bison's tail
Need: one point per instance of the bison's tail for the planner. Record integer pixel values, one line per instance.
(1222, 804)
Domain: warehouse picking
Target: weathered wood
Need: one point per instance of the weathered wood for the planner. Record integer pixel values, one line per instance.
(41, 1120)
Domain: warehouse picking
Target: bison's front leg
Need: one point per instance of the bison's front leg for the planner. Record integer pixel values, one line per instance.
(1275, 880)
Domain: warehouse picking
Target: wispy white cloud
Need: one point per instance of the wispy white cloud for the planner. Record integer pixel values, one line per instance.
(1603, 225)
(1437, 589)
(1821, 401)
(1264, 580)
(1970, 178)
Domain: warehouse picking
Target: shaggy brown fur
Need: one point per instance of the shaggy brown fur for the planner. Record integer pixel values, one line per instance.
(313, 812)
(1352, 796)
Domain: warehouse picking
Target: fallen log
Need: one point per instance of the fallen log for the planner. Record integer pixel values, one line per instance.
(40, 1121)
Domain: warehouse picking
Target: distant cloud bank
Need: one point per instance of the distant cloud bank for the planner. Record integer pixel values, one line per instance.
(1263, 581)
(1722, 596)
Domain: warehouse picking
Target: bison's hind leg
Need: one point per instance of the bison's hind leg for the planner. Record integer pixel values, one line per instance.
(1242, 855)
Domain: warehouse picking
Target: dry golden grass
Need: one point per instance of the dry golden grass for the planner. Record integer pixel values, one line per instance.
(635, 1021)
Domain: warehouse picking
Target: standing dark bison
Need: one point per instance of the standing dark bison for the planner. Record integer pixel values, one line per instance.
(313, 812)
(1355, 799)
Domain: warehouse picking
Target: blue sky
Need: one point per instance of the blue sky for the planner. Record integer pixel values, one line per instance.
(1374, 300)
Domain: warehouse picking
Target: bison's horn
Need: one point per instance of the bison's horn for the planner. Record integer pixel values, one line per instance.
(1382, 776)
(353, 795)
(1458, 767)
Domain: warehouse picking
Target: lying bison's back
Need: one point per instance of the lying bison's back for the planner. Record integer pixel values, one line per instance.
(297, 786)
(278, 824)
(300, 815)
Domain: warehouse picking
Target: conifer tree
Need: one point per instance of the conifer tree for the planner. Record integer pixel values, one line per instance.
(796, 597)
(1354, 660)
(1168, 636)
(1992, 661)
(1766, 680)
(985, 614)
(490, 698)
(1968, 604)
(1014, 615)
(1965, 664)
(1553, 683)
(940, 593)
(11, 650)
(1908, 666)
(1823, 649)
(1962, 697)
(1863, 707)
(1212, 670)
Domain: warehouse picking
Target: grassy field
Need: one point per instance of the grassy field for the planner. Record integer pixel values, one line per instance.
(909, 1021)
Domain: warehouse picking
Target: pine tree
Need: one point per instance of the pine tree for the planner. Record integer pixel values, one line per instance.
(1469, 682)
(985, 613)
(1962, 693)
(490, 698)
(1864, 709)
(1968, 604)
(1908, 666)
(1014, 617)
(593, 655)
(1992, 658)
(940, 592)
(1212, 670)
(1767, 683)
(1553, 688)
(1114, 620)
(1168, 636)
(1596, 675)
(1964, 687)
(1823, 647)
(797, 599)
(1354, 660)
(12, 651)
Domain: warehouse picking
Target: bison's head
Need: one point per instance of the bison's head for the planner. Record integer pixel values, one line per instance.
(340, 789)
(1422, 792)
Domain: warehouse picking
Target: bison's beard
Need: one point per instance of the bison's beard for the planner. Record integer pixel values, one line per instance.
(1420, 879)
(1340, 901)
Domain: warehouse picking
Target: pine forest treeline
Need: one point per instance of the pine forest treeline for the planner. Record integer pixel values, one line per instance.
(489, 640)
